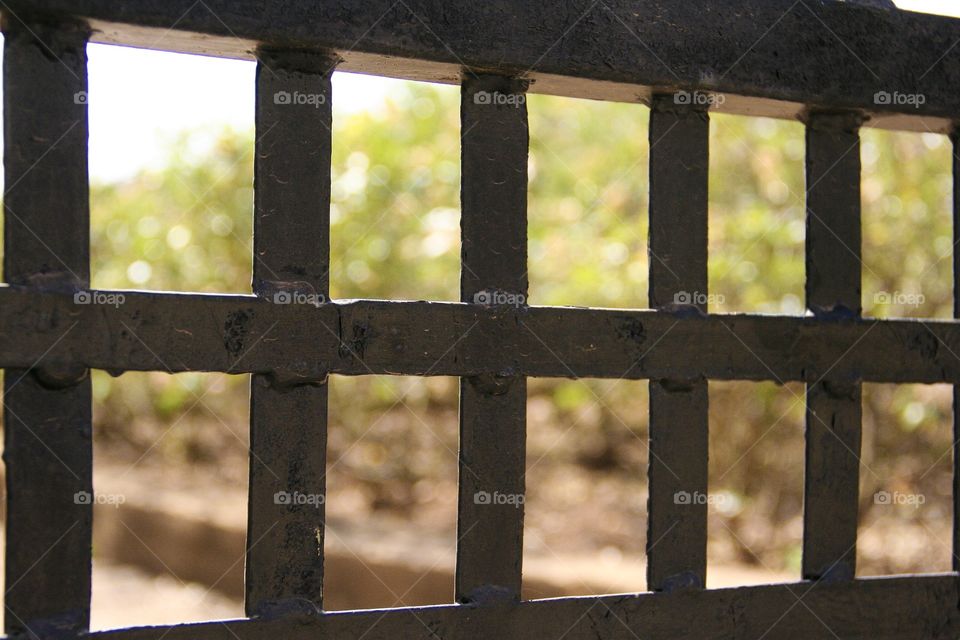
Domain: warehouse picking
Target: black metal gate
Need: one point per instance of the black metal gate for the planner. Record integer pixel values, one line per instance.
(835, 65)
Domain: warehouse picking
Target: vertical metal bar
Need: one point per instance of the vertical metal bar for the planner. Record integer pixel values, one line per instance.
(679, 432)
(288, 410)
(955, 140)
(47, 414)
(833, 420)
(495, 142)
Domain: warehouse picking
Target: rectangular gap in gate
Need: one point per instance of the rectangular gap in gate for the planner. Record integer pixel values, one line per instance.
(757, 215)
(391, 504)
(395, 199)
(935, 7)
(907, 191)
(170, 499)
(171, 166)
(588, 203)
(755, 496)
(585, 520)
(906, 480)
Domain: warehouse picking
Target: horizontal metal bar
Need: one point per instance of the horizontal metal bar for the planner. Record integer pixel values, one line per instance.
(129, 330)
(771, 56)
(901, 608)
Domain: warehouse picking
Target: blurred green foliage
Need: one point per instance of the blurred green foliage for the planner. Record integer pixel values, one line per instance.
(756, 215)
(187, 228)
(395, 234)
(908, 235)
(394, 219)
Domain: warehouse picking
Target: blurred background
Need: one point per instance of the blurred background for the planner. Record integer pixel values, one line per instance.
(172, 210)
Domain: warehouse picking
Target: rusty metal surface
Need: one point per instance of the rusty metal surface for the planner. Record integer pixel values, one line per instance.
(955, 139)
(771, 57)
(47, 409)
(677, 474)
(833, 411)
(186, 332)
(905, 608)
(493, 405)
(291, 262)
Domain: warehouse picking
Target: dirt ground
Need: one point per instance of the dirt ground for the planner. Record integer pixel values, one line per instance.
(125, 595)
(173, 552)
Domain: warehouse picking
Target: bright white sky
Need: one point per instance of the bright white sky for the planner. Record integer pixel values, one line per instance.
(132, 119)
(944, 7)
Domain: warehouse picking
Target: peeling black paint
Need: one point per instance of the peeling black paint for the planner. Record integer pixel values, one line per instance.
(235, 330)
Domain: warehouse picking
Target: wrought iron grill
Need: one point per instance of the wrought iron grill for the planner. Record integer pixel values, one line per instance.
(823, 62)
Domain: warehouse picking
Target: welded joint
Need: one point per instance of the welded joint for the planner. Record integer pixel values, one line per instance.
(66, 625)
(841, 389)
(493, 384)
(839, 571)
(60, 281)
(57, 376)
(836, 313)
(295, 374)
(309, 61)
(683, 581)
(493, 297)
(836, 120)
(677, 385)
(686, 103)
(491, 595)
(683, 310)
(297, 610)
(289, 292)
(477, 83)
(288, 379)
(56, 37)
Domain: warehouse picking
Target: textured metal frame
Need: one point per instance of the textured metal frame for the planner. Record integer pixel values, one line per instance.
(769, 57)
